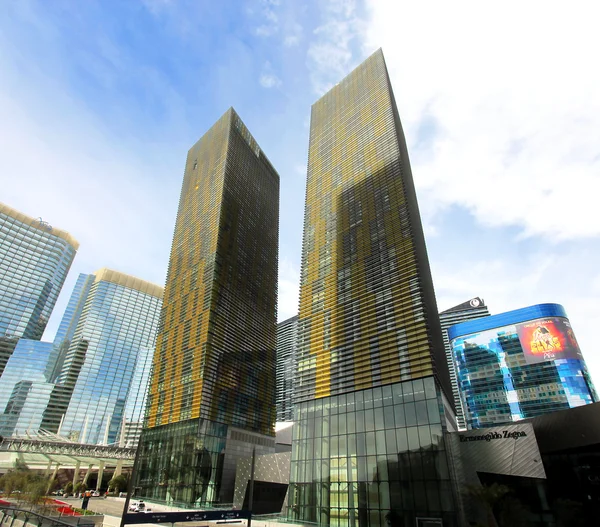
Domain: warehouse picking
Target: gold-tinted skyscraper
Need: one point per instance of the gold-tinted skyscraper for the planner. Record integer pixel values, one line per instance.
(372, 382)
(212, 391)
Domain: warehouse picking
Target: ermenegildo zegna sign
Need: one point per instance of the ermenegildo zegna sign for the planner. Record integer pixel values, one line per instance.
(491, 436)
(509, 449)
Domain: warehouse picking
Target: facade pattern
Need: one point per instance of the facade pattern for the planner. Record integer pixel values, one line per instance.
(287, 346)
(214, 367)
(367, 307)
(470, 310)
(368, 326)
(378, 456)
(504, 374)
(117, 323)
(24, 388)
(34, 261)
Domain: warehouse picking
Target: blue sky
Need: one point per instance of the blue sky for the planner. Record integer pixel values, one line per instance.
(100, 101)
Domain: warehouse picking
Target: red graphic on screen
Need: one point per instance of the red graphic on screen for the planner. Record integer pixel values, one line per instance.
(543, 340)
(547, 339)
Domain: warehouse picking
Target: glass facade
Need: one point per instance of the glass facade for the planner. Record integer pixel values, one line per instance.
(214, 364)
(24, 387)
(34, 261)
(117, 323)
(368, 324)
(470, 310)
(287, 346)
(135, 407)
(519, 364)
(372, 457)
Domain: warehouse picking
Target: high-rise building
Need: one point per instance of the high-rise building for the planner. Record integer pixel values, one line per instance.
(27, 390)
(469, 310)
(34, 261)
(373, 397)
(519, 364)
(212, 390)
(24, 388)
(131, 428)
(114, 328)
(287, 344)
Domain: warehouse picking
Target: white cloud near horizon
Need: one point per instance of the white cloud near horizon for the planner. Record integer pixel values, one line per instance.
(508, 99)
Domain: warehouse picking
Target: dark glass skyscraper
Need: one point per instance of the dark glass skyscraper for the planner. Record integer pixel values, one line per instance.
(287, 347)
(469, 310)
(373, 393)
(212, 390)
(34, 261)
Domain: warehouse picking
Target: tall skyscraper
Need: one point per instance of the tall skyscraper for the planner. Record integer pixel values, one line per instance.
(469, 310)
(27, 390)
(212, 391)
(519, 364)
(24, 388)
(34, 261)
(373, 397)
(287, 346)
(117, 325)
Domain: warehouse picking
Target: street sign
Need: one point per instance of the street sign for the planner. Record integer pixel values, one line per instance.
(189, 516)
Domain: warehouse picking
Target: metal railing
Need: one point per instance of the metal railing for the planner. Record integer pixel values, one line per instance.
(8, 516)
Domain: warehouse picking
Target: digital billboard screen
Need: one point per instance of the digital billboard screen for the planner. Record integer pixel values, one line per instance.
(547, 339)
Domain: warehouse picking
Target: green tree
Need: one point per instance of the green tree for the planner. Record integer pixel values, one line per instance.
(69, 488)
(80, 487)
(118, 483)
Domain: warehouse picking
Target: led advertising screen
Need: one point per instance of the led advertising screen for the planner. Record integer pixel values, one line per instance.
(546, 339)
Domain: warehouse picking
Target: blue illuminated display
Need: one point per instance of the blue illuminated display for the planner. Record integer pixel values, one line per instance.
(519, 364)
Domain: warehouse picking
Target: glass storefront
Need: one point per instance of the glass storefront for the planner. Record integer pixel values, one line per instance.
(372, 457)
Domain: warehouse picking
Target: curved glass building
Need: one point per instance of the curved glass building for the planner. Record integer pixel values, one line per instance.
(519, 364)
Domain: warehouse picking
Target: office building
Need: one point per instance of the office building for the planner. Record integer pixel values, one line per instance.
(34, 261)
(115, 327)
(373, 398)
(212, 392)
(287, 343)
(24, 388)
(519, 364)
(135, 407)
(27, 389)
(469, 310)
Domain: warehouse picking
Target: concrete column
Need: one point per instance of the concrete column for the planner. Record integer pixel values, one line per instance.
(54, 474)
(48, 469)
(76, 474)
(100, 474)
(87, 474)
(118, 468)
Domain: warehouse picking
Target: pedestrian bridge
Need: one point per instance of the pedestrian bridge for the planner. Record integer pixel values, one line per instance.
(45, 451)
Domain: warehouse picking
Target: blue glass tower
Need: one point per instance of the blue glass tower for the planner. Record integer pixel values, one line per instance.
(34, 261)
(519, 364)
(24, 387)
(116, 326)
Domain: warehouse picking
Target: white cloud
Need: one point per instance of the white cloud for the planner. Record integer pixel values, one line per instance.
(330, 53)
(270, 25)
(512, 102)
(289, 287)
(268, 79)
(507, 284)
(293, 35)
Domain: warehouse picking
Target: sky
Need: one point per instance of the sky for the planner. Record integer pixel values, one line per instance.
(500, 103)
